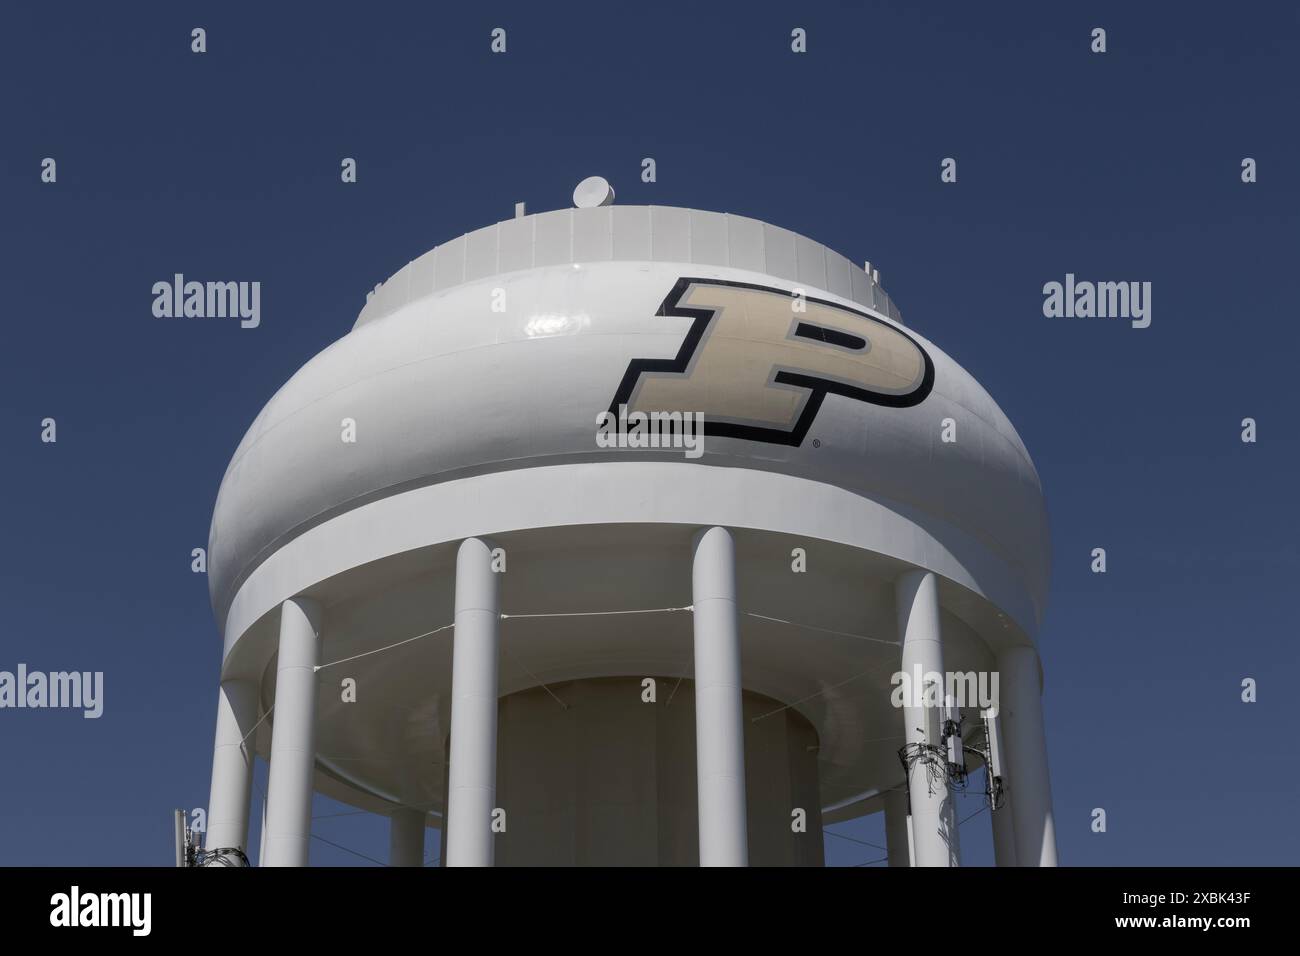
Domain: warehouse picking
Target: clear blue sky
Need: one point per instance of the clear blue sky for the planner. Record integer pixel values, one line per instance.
(1122, 166)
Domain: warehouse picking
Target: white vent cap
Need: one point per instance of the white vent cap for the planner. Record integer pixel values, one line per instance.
(592, 192)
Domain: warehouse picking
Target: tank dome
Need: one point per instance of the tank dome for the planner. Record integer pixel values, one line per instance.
(496, 352)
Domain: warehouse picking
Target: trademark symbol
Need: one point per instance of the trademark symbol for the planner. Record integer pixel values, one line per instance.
(817, 443)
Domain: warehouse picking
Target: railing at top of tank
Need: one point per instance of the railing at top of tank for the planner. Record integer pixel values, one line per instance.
(627, 233)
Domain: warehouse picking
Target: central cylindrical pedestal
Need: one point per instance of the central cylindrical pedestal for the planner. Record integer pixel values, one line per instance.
(609, 779)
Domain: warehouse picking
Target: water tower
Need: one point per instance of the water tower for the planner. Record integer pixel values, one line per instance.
(600, 538)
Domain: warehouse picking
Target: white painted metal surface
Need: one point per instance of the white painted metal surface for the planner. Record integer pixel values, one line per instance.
(933, 823)
(1004, 835)
(592, 192)
(473, 763)
(232, 767)
(897, 838)
(446, 389)
(406, 829)
(1028, 783)
(719, 734)
(293, 741)
(474, 377)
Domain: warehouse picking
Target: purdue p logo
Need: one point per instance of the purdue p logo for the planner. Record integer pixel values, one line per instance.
(759, 370)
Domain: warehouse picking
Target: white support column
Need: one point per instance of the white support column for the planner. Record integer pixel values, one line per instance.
(293, 736)
(232, 767)
(1003, 822)
(261, 845)
(406, 837)
(719, 731)
(1004, 836)
(1028, 783)
(933, 818)
(471, 792)
(896, 841)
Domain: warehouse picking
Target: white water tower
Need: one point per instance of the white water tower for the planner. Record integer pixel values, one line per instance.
(450, 598)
